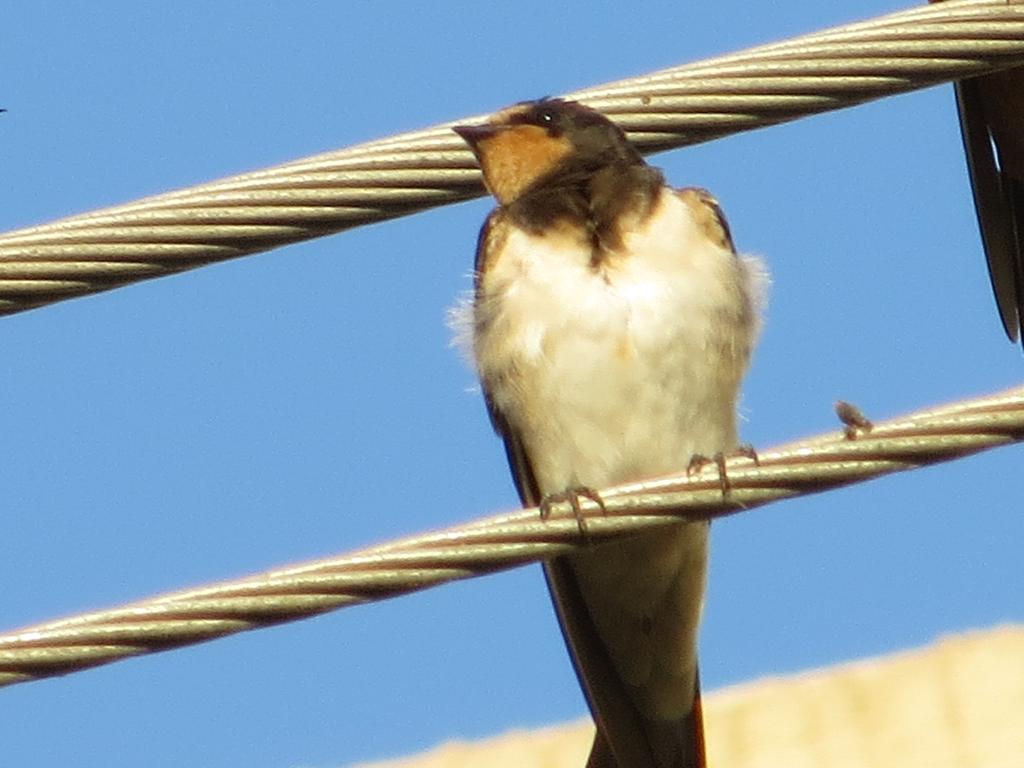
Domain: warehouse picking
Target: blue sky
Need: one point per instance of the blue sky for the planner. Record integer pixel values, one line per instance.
(306, 401)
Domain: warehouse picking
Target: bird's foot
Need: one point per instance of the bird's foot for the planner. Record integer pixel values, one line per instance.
(698, 461)
(572, 496)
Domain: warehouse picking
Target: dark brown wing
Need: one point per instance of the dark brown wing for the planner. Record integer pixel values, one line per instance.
(689, 750)
(624, 738)
(492, 236)
(489, 242)
(518, 461)
(707, 214)
(997, 186)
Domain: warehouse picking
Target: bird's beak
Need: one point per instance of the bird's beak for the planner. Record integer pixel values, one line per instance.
(475, 134)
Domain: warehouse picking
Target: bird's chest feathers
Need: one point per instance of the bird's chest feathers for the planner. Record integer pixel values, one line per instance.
(548, 302)
(606, 353)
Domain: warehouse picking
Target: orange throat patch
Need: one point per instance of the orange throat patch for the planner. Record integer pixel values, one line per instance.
(515, 157)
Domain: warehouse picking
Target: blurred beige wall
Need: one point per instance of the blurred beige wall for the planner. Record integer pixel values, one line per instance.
(958, 703)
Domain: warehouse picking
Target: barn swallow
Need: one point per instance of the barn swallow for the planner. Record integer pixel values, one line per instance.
(991, 111)
(611, 323)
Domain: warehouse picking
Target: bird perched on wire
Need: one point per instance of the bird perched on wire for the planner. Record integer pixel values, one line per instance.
(611, 324)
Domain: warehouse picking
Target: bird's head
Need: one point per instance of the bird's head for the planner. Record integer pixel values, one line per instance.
(535, 144)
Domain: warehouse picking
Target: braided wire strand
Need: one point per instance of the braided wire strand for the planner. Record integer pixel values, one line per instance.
(505, 541)
(392, 177)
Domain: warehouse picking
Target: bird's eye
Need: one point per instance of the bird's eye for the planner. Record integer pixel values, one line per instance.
(545, 118)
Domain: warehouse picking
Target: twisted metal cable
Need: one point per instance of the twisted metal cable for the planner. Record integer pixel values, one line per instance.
(392, 177)
(504, 541)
